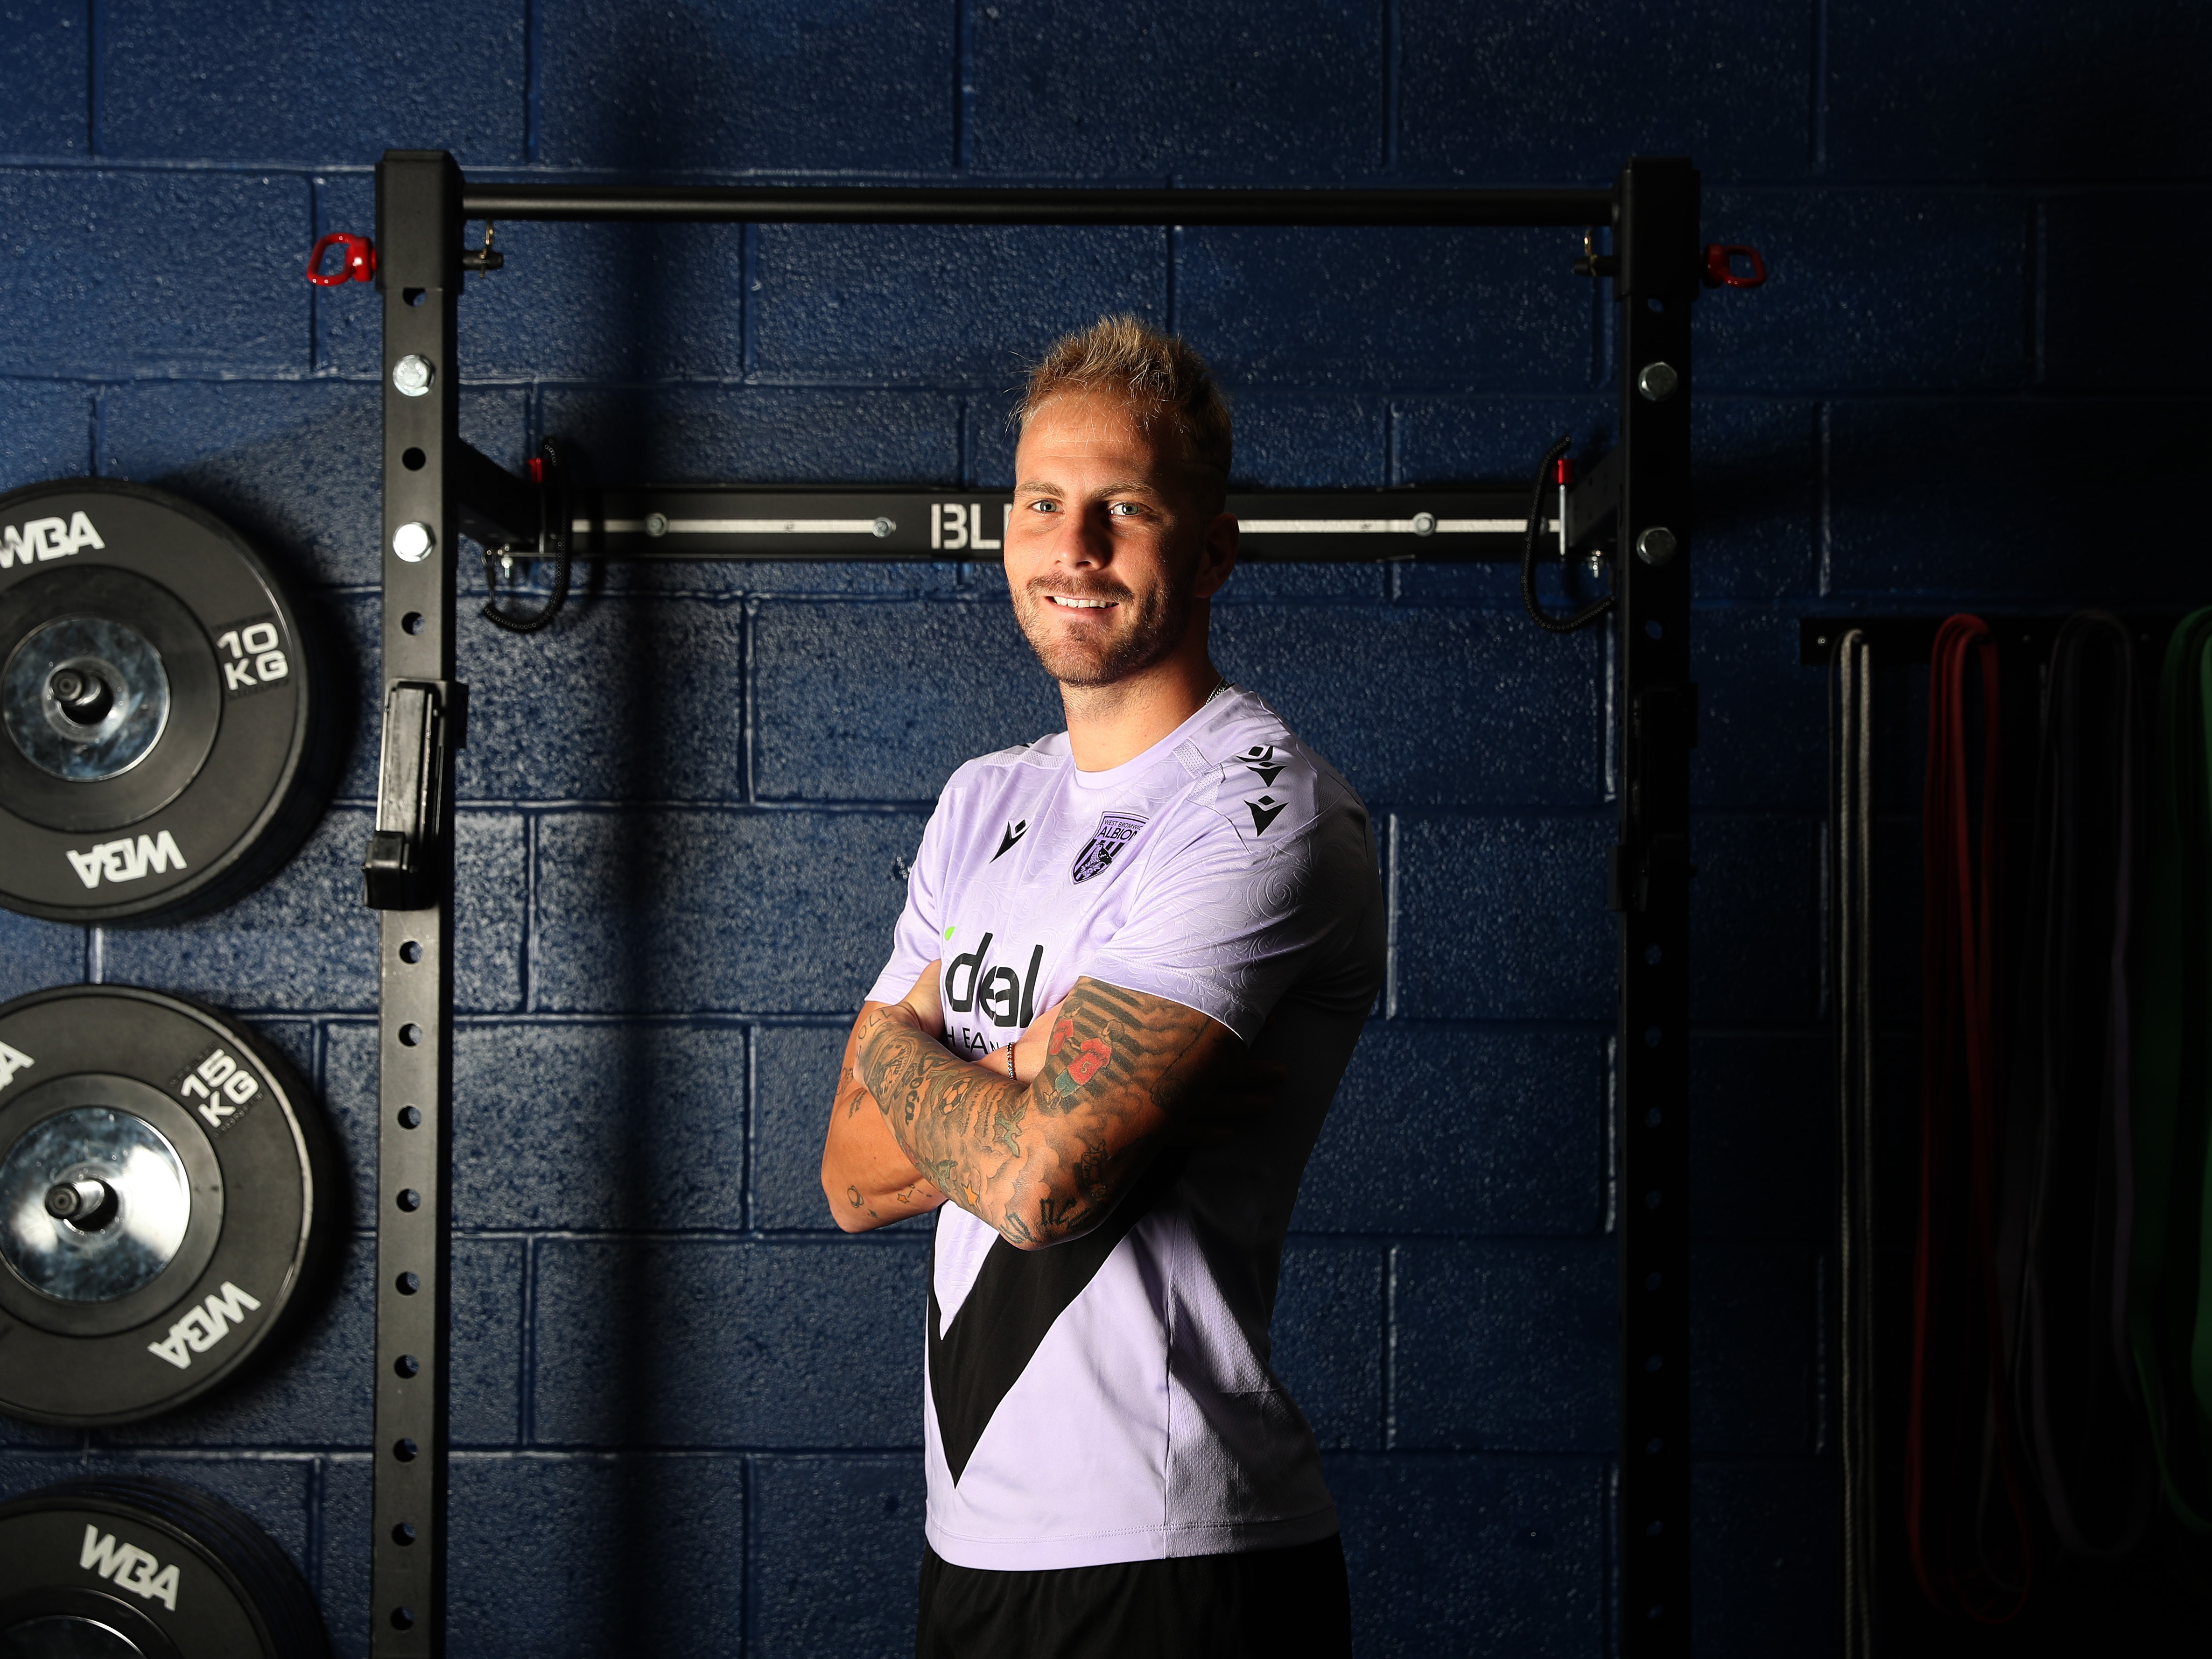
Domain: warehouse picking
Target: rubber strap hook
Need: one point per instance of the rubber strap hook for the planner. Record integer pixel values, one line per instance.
(1720, 268)
(356, 262)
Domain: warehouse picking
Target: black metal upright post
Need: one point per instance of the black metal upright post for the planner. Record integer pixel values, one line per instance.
(409, 876)
(1658, 277)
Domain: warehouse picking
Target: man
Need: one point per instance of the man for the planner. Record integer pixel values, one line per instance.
(1133, 961)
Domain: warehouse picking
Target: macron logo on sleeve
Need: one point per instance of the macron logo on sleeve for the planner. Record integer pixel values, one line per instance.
(1260, 785)
(1259, 761)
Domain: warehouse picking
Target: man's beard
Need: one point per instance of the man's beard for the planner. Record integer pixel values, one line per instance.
(1158, 628)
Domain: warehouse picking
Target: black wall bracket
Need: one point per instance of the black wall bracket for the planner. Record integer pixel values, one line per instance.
(1909, 639)
(436, 488)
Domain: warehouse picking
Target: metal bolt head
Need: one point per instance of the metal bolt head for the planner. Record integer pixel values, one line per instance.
(656, 524)
(1658, 382)
(884, 527)
(1424, 524)
(413, 541)
(1657, 545)
(1595, 566)
(411, 376)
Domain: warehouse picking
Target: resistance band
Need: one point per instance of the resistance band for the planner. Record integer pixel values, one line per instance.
(1850, 784)
(2069, 1175)
(1966, 1520)
(2169, 1305)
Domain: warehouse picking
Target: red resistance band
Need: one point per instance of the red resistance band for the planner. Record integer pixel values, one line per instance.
(1966, 1514)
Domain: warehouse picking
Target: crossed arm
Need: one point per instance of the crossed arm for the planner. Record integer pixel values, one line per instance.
(1041, 1158)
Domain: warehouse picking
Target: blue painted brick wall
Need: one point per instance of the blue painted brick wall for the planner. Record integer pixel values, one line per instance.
(684, 811)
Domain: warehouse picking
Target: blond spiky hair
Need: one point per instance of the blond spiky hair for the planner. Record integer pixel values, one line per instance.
(1161, 376)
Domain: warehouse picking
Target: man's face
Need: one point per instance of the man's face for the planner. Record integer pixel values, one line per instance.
(1108, 544)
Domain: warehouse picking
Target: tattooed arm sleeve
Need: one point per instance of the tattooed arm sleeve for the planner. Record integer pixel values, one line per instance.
(869, 1181)
(1045, 1161)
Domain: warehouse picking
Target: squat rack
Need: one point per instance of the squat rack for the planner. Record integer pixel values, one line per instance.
(436, 487)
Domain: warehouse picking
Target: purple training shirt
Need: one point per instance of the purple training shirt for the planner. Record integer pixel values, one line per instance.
(1110, 1398)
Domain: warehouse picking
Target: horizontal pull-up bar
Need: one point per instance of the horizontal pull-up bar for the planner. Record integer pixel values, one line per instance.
(847, 205)
(741, 522)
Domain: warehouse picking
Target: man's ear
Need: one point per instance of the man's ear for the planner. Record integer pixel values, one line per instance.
(1218, 557)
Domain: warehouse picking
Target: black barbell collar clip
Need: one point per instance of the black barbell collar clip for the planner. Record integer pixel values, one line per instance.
(424, 722)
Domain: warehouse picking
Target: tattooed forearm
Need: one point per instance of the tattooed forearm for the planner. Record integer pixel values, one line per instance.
(1045, 1161)
(868, 1182)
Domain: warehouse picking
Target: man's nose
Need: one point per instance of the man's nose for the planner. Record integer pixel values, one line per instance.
(1086, 538)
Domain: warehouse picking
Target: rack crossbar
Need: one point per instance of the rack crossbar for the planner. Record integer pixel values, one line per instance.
(845, 204)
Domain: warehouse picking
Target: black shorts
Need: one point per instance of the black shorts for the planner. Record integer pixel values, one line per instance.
(1262, 1604)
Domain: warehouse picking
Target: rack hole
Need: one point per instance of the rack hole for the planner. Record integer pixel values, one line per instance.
(1655, 1446)
(413, 459)
(1652, 631)
(411, 1035)
(408, 1283)
(1651, 301)
(412, 953)
(403, 1532)
(1655, 1529)
(409, 1118)
(1652, 1362)
(1652, 1119)
(411, 623)
(405, 1449)
(407, 1364)
(414, 296)
(1651, 1036)
(1651, 1199)
(403, 1619)
(409, 1200)
(1653, 956)
(1653, 1281)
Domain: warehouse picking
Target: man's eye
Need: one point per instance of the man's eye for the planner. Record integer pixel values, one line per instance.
(1128, 509)
(1044, 506)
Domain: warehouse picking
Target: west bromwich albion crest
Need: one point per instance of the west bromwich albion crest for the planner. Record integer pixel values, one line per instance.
(1116, 830)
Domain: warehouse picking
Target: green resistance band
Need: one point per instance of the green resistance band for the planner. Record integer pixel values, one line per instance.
(2170, 1293)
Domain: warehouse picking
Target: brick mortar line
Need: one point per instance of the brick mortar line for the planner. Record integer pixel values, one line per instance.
(585, 805)
(364, 1016)
(1383, 178)
(1441, 1025)
(890, 1239)
(1336, 388)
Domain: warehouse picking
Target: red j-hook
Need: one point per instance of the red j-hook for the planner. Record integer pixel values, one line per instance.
(1720, 272)
(357, 260)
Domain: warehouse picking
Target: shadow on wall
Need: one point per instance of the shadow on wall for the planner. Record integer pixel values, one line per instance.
(2002, 93)
(637, 1555)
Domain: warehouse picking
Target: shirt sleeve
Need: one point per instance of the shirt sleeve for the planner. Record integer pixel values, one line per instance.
(1230, 929)
(915, 935)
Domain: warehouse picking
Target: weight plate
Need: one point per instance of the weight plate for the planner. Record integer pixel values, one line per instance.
(165, 741)
(164, 1191)
(130, 1567)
